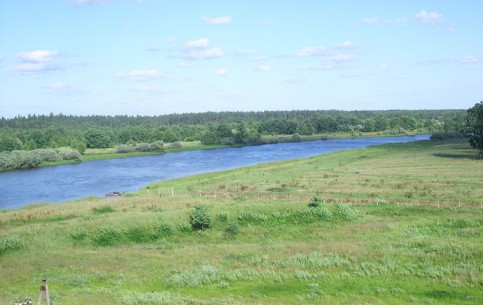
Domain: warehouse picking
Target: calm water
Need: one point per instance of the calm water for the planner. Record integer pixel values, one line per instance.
(95, 178)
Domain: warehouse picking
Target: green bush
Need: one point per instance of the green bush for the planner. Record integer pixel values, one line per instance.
(231, 229)
(200, 219)
(139, 235)
(315, 202)
(9, 244)
(70, 155)
(107, 237)
(163, 229)
(184, 227)
(346, 211)
(79, 234)
(102, 209)
(125, 148)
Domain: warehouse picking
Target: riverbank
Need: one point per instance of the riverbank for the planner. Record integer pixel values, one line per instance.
(110, 153)
(392, 224)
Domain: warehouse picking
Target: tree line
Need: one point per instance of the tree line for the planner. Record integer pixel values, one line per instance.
(229, 128)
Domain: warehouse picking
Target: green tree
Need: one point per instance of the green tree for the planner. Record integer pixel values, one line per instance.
(9, 143)
(474, 126)
(200, 219)
(98, 138)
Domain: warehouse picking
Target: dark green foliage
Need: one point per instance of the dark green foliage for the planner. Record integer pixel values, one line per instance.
(473, 127)
(79, 234)
(139, 235)
(231, 229)
(200, 219)
(315, 202)
(163, 229)
(346, 211)
(9, 244)
(98, 138)
(107, 237)
(9, 143)
(102, 209)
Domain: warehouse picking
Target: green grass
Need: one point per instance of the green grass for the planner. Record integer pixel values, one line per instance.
(395, 224)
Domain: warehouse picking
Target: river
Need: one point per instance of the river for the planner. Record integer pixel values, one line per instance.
(96, 178)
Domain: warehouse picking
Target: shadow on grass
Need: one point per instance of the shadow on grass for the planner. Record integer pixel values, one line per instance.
(459, 156)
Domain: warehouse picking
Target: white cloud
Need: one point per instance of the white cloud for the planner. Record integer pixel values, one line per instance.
(338, 61)
(182, 64)
(60, 88)
(141, 75)
(199, 49)
(152, 48)
(370, 20)
(36, 62)
(38, 56)
(221, 72)
(32, 68)
(377, 20)
(472, 59)
(197, 44)
(261, 57)
(264, 68)
(171, 39)
(384, 66)
(321, 51)
(217, 20)
(428, 17)
(87, 2)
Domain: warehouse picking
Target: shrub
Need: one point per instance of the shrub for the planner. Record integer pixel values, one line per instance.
(79, 234)
(315, 202)
(102, 209)
(49, 155)
(144, 147)
(138, 235)
(200, 219)
(163, 229)
(175, 145)
(107, 237)
(70, 155)
(124, 149)
(9, 244)
(346, 211)
(231, 229)
(184, 227)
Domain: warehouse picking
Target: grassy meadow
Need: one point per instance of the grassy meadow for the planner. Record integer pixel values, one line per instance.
(391, 224)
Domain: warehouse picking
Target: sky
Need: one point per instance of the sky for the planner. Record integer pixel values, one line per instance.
(154, 57)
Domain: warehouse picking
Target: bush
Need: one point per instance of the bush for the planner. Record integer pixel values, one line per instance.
(70, 155)
(315, 202)
(347, 212)
(48, 154)
(138, 235)
(163, 229)
(144, 147)
(9, 244)
(102, 209)
(200, 219)
(125, 148)
(79, 234)
(231, 229)
(184, 227)
(107, 237)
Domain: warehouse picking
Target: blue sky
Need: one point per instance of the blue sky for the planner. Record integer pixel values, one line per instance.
(151, 57)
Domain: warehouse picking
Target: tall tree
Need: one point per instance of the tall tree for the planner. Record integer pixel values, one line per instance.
(474, 126)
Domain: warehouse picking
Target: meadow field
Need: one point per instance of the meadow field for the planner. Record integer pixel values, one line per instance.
(390, 224)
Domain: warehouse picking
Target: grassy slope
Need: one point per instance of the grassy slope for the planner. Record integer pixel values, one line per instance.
(400, 224)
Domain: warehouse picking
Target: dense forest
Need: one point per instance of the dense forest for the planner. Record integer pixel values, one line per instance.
(230, 128)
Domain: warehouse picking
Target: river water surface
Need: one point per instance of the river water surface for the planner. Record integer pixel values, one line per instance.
(96, 178)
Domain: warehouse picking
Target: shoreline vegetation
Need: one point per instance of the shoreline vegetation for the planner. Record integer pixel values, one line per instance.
(92, 154)
(390, 224)
(98, 137)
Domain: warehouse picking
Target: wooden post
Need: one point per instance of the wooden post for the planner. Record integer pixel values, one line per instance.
(44, 292)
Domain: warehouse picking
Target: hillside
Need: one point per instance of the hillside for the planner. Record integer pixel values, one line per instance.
(392, 224)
